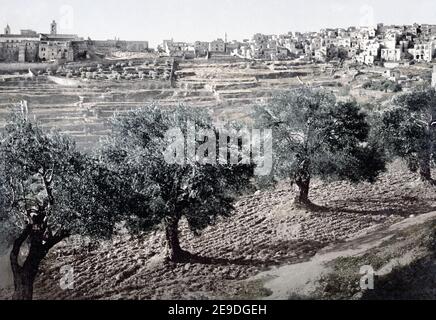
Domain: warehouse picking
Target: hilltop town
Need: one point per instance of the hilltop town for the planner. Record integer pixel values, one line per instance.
(363, 45)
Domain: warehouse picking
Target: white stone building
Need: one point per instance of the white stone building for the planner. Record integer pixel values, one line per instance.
(218, 45)
(422, 52)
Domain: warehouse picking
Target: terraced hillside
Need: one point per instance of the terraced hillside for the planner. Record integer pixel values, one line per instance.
(229, 88)
(83, 112)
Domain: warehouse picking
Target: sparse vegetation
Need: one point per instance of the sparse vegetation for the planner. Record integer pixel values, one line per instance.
(385, 86)
(413, 279)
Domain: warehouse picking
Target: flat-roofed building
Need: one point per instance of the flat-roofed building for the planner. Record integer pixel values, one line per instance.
(21, 47)
(57, 46)
(218, 45)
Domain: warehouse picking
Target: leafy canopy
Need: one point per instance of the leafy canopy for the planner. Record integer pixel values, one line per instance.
(407, 128)
(47, 183)
(196, 190)
(314, 135)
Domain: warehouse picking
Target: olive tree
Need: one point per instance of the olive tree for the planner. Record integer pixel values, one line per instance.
(48, 192)
(141, 149)
(408, 129)
(316, 136)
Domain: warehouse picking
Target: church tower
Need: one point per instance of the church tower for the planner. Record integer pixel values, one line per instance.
(8, 30)
(53, 28)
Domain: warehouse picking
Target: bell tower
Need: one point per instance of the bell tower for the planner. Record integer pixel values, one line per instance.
(53, 28)
(7, 30)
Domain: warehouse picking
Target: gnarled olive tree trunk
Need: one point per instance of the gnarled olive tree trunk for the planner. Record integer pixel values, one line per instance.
(424, 158)
(424, 169)
(302, 197)
(25, 274)
(24, 278)
(302, 180)
(174, 252)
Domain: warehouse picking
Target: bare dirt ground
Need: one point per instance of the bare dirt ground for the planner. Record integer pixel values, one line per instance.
(265, 232)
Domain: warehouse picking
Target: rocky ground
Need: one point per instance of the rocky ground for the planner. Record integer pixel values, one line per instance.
(265, 232)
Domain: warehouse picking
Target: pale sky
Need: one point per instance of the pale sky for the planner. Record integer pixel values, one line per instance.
(189, 20)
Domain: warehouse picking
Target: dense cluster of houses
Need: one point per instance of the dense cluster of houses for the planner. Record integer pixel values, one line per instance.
(365, 45)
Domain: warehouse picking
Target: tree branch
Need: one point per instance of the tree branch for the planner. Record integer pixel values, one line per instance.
(55, 239)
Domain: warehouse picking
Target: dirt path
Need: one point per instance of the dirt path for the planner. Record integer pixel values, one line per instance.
(301, 279)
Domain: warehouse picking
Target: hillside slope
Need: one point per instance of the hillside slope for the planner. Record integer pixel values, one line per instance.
(400, 259)
(265, 233)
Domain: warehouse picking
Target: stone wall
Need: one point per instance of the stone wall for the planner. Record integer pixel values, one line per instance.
(8, 53)
(55, 50)
(19, 52)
